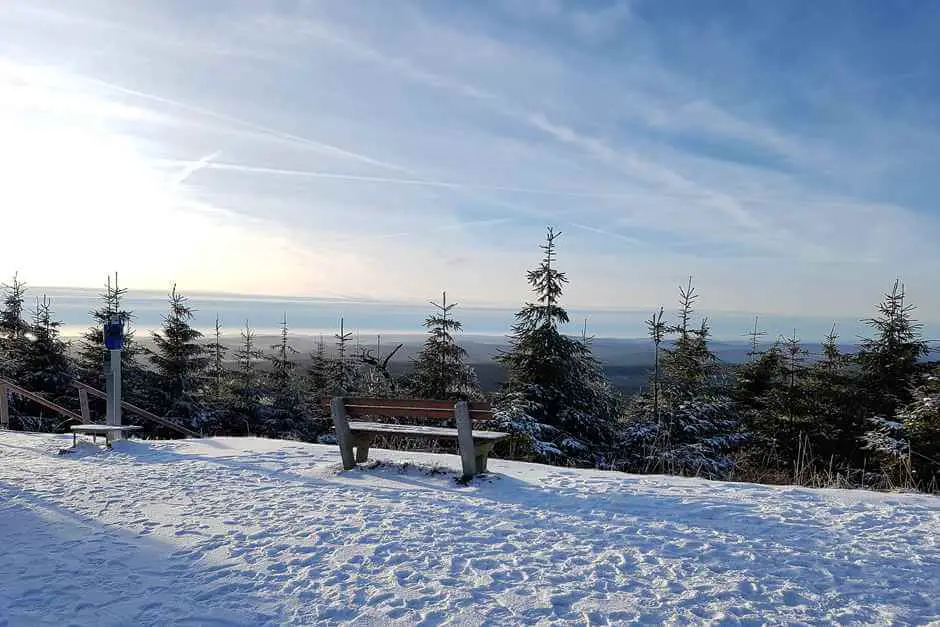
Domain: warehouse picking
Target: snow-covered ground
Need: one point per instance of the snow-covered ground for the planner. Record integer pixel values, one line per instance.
(249, 532)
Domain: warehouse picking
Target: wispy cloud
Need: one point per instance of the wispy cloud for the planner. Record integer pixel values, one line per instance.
(390, 139)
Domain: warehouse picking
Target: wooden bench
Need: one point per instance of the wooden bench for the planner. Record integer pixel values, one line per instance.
(107, 430)
(474, 446)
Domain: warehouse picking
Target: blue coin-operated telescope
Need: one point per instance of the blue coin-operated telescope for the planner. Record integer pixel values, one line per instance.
(114, 334)
(113, 341)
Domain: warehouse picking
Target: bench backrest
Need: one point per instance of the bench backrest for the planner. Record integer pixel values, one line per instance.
(443, 410)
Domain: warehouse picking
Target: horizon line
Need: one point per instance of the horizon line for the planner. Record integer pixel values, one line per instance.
(482, 306)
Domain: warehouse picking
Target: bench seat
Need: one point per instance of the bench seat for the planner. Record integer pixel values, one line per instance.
(107, 430)
(421, 431)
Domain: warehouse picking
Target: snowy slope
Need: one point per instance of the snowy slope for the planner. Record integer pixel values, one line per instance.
(249, 532)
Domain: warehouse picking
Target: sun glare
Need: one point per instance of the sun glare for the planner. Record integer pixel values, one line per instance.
(84, 199)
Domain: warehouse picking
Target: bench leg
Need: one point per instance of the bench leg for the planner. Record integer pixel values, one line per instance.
(74, 439)
(362, 444)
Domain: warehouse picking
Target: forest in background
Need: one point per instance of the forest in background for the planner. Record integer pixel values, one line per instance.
(869, 417)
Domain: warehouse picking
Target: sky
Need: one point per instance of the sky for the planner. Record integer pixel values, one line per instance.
(783, 153)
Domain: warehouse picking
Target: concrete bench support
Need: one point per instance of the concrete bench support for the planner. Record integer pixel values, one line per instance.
(343, 434)
(465, 440)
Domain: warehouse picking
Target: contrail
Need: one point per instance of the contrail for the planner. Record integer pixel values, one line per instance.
(195, 166)
(439, 184)
(266, 130)
(599, 231)
(456, 185)
(207, 162)
(331, 149)
(420, 182)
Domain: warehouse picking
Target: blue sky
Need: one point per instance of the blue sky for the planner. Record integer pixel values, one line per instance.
(784, 153)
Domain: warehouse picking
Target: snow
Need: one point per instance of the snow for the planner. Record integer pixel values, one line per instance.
(244, 531)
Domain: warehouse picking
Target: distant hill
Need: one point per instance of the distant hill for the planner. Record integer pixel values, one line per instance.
(627, 361)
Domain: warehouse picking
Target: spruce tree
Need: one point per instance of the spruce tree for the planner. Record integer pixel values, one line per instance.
(345, 373)
(286, 415)
(907, 445)
(920, 420)
(690, 425)
(246, 379)
(220, 405)
(755, 381)
(320, 371)
(890, 361)
(13, 328)
(835, 408)
(657, 332)
(788, 403)
(321, 385)
(180, 362)
(217, 373)
(688, 363)
(553, 376)
(756, 334)
(45, 364)
(440, 371)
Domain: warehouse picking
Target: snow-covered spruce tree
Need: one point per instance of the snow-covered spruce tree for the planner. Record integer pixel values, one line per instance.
(556, 394)
(180, 363)
(908, 445)
(440, 371)
(891, 362)
(920, 421)
(246, 384)
(13, 328)
(694, 427)
(137, 383)
(285, 415)
(45, 366)
(891, 369)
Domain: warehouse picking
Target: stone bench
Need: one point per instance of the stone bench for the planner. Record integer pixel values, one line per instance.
(474, 446)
